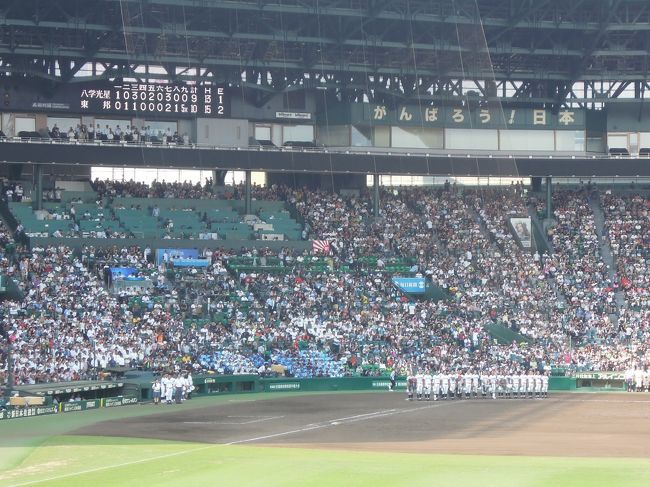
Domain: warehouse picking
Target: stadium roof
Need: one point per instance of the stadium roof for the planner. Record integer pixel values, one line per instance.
(360, 49)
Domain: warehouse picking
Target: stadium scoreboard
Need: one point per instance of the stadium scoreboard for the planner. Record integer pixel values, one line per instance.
(154, 99)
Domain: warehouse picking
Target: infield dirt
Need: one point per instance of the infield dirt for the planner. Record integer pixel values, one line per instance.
(589, 425)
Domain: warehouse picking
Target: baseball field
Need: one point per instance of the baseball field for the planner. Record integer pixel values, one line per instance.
(350, 439)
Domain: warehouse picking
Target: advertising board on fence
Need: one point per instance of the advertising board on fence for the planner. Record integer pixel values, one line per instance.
(384, 384)
(111, 402)
(67, 407)
(29, 412)
(601, 375)
(284, 386)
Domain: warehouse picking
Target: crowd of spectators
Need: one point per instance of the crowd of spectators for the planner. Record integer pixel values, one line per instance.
(126, 133)
(346, 317)
(627, 227)
(184, 190)
(578, 268)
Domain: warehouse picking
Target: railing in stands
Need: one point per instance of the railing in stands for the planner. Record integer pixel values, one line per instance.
(336, 150)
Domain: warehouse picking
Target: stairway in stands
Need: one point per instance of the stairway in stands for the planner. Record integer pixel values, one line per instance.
(605, 251)
(545, 245)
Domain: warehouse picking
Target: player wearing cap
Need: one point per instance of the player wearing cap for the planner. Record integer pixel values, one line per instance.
(436, 386)
(419, 384)
(444, 385)
(168, 388)
(410, 386)
(427, 385)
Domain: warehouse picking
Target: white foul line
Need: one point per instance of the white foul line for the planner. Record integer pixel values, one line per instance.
(336, 422)
(109, 467)
(250, 421)
(333, 422)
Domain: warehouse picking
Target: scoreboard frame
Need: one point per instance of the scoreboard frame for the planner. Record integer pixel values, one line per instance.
(154, 99)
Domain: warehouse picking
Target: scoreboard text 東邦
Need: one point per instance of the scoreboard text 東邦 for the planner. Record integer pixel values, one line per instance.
(156, 99)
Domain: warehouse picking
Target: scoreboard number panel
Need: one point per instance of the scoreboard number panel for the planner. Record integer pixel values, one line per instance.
(155, 99)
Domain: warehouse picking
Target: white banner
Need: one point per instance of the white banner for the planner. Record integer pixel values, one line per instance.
(294, 115)
(523, 230)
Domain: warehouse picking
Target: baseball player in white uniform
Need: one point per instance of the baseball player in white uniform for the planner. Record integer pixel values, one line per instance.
(427, 386)
(493, 385)
(475, 386)
(167, 384)
(515, 385)
(468, 385)
(530, 385)
(538, 385)
(419, 381)
(452, 385)
(444, 384)
(436, 386)
(410, 386)
(522, 385)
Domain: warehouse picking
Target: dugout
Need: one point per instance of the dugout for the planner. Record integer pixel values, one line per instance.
(64, 391)
(610, 381)
(225, 384)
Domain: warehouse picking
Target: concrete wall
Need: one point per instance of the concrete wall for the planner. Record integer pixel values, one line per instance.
(246, 108)
(628, 117)
(231, 133)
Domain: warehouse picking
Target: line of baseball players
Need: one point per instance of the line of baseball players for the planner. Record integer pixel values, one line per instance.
(637, 380)
(426, 386)
(172, 388)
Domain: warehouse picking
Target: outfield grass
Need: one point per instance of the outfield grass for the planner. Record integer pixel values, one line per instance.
(75, 460)
(18, 437)
(38, 451)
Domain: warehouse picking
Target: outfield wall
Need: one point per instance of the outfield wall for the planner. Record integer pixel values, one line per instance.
(234, 384)
(208, 385)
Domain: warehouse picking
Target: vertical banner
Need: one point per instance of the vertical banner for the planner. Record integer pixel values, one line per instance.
(522, 227)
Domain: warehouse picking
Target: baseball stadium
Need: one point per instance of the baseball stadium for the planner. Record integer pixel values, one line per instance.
(322, 243)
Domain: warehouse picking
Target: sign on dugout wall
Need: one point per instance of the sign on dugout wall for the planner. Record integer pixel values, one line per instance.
(489, 117)
(66, 407)
(111, 402)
